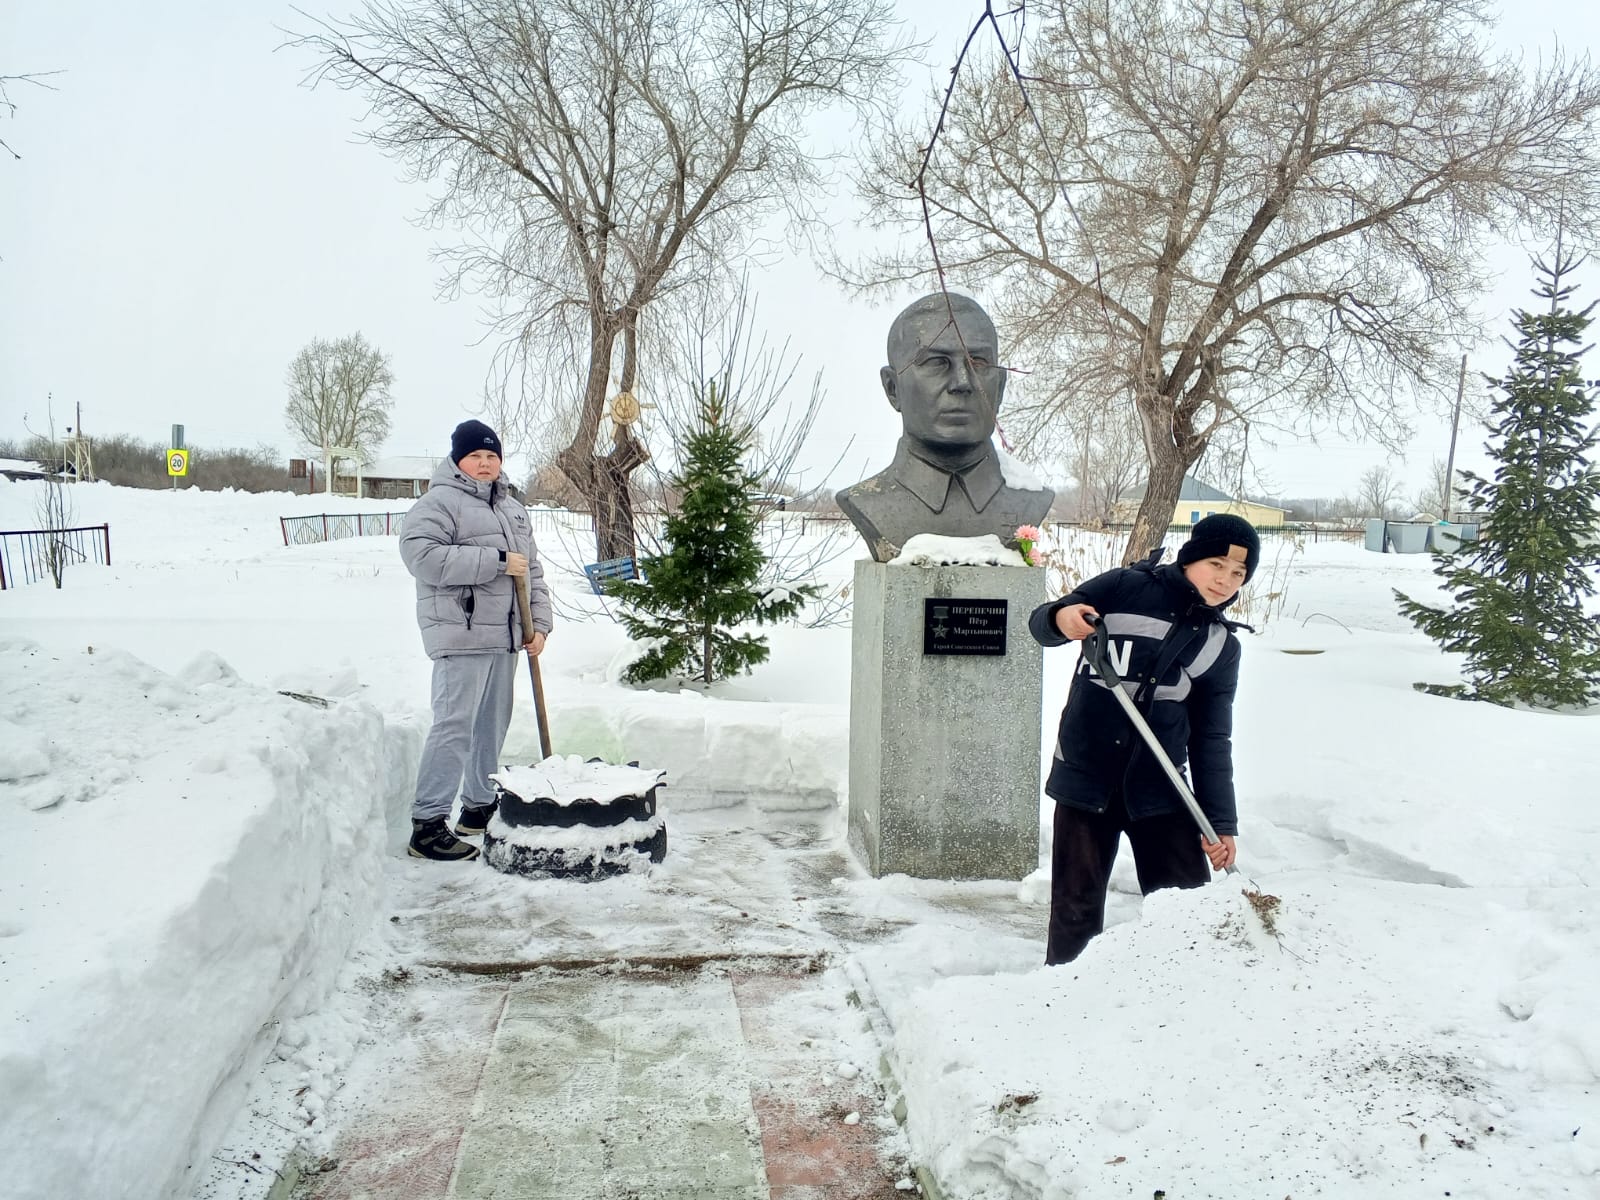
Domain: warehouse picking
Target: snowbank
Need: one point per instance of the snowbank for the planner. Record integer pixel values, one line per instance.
(190, 856)
(717, 752)
(1190, 1053)
(188, 861)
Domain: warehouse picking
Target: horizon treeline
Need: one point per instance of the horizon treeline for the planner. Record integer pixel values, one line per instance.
(128, 462)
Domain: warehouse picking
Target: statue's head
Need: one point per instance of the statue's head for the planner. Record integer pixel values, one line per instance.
(943, 374)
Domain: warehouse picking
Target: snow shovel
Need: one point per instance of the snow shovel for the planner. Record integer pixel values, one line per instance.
(526, 615)
(1263, 905)
(1094, 649)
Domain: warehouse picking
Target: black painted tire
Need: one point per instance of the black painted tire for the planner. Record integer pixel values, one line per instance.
(656, 846)
(542, 863)
(525, 812)
(521, 812)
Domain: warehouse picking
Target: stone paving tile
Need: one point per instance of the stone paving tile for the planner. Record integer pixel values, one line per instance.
(803, 1146)
(404, 1142)
(395, 1161)
(614, 1087)
(808, 1150)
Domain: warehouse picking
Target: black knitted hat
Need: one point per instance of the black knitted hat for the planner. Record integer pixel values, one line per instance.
(470, 436)
(1223, 535)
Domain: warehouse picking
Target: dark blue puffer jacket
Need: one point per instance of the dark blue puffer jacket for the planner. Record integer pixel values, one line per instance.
(1179, 659)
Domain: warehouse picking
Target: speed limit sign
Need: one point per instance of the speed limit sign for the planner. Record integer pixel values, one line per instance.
(177, 462)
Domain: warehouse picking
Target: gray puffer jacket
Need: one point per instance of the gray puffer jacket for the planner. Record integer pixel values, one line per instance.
(453, 543)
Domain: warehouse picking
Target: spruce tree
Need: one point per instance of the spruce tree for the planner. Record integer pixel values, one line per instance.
(707, 582)
(1520, 587)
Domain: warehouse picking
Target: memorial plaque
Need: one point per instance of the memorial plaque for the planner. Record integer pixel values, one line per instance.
(954, 626)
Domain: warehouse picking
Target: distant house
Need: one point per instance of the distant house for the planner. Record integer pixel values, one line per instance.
(1198, 500)
(404, 477)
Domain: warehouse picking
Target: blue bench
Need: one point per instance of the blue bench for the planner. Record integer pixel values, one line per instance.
(612, 568)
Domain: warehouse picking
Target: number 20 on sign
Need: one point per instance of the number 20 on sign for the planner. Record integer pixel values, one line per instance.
(177, 462)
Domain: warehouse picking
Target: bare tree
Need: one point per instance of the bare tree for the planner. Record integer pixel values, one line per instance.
(721, 346)
(761, 393)
(339, 397)
(1378, 492)
(609, 156)
(1111, 463)
(1434, 493)
(760, 385)
(8, 109)
(52, 506)
(1235, 210)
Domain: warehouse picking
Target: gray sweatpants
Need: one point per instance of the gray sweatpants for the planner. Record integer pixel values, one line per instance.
(471, 712)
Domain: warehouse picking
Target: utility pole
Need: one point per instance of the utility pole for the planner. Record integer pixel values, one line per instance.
(1455, 423)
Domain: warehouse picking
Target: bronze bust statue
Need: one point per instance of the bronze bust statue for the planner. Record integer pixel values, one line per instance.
(944, 379)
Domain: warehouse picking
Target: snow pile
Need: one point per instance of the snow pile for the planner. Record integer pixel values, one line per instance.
(188, 860)
(718, 752)
(937, 550)
(1190, 1053)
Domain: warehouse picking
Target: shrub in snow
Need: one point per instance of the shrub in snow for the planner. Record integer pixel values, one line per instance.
(694, 595)
(1520, 587)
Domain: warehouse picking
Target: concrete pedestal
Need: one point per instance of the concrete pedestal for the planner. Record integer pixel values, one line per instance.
(944, 748)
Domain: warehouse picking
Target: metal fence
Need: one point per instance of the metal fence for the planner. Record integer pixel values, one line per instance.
(331, 527)
(31, 555)
(561, 520)
(1327, 533)
(1305, 532)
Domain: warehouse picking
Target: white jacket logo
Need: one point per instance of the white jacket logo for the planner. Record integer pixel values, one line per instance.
(1119, 652)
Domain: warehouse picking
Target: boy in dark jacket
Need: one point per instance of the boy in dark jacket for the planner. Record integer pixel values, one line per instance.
(1179, 660)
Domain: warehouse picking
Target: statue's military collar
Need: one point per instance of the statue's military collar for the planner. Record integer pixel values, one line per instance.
(931, 484)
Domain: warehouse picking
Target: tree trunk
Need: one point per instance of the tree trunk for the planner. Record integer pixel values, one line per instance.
(602, 480)
(1083, 482)
(613, 498)
(1165, 481)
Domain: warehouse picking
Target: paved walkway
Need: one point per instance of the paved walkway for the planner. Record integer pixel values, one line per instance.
(669, 1037)
(666, 1086)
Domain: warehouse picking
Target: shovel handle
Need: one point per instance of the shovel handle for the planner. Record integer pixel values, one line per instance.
(525, 615)
(524, 612)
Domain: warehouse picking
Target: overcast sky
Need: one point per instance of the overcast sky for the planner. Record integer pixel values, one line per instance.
(186, 216)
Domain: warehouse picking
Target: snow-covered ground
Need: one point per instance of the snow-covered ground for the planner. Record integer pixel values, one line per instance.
(196, 863)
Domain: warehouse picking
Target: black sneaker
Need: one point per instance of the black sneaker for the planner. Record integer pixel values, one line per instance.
(433, 839)
(474, 821)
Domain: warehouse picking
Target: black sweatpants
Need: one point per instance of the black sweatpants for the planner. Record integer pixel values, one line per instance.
(1166, 853)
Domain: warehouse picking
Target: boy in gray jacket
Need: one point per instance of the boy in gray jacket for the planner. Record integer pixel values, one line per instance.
(466, 541)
